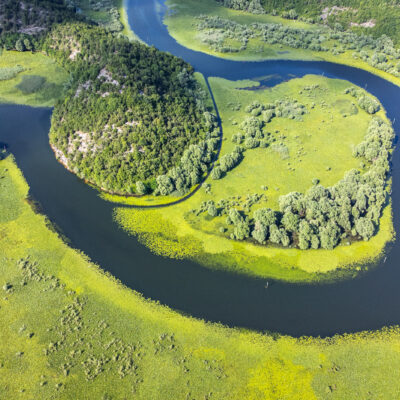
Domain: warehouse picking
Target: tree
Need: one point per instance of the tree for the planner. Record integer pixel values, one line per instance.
(165, 185)
(251, 143)
(216, 173)
(265, 216)
(140, 188)
(291, 221)
(19, 45)
(212, 210)
(27, 44)
(279, 235)
(329, 236)
(235, 216)
(241, 230)
(315, 242)
(365, 228)
(260, 232)
(304, 244)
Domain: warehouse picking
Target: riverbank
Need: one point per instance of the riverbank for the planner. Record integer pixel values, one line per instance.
(53, 298)
(182, 20)
(37, 80)
(304, 153)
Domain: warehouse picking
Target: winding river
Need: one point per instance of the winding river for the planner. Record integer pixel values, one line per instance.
(368, 302)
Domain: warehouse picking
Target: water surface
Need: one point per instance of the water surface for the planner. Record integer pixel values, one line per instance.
(368, 302)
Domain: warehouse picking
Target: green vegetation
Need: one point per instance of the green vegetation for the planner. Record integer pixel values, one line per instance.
(7, 73)
(31, 79)
(106, 13)
(31, 84)
(374, 17)
(208, 27)
(70, 331)
(23, 23)
(130, 115)
(133, 120)
(309, 143)
(323, 217)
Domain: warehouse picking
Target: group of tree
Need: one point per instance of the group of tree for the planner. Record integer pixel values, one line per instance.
(252, 134)
(367, 103)
(24, 23)
(227, 162)
(192, 169)
(221, 34)
(323, 217)
(130, 113)
(344, 14)
(252, 6)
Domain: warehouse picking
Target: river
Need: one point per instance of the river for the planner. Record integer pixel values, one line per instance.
(370, 301)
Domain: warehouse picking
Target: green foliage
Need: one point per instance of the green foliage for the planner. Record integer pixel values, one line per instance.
(212, 210)
(130, 114)
(24, 23)
(31, 83)
(342, 15)
(231, 160)
(229, 36)
(103, 12)
(253, 6)
(7, 73)
(367, 103)
(216, 173)
(193, 166)
(70, 331)
(324, 216)
(141, 188)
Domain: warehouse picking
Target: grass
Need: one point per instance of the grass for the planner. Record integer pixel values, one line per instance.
(102, 16)
(31, 84)
(181, 25)
(71, 332)
(319, 147)
(39, 82)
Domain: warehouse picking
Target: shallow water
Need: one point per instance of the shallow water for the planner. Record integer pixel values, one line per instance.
(368, 302)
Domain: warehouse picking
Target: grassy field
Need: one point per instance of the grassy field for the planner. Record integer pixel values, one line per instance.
(181, 23)
(40, 82)
(71, 332)
(320, 146)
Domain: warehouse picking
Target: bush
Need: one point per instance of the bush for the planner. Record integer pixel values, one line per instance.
(31, 84)
(7, 73)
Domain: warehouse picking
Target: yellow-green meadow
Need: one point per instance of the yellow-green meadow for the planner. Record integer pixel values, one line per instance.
(319, 146)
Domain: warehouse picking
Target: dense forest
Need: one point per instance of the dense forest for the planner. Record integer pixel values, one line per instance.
(369, 16)
(22, 23)
(130, 113)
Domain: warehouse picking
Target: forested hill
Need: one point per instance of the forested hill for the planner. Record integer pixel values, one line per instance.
(130, 113)
(376, 17)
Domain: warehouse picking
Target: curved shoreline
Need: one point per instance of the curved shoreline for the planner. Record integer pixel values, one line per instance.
(313, 55)
(368, 302)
